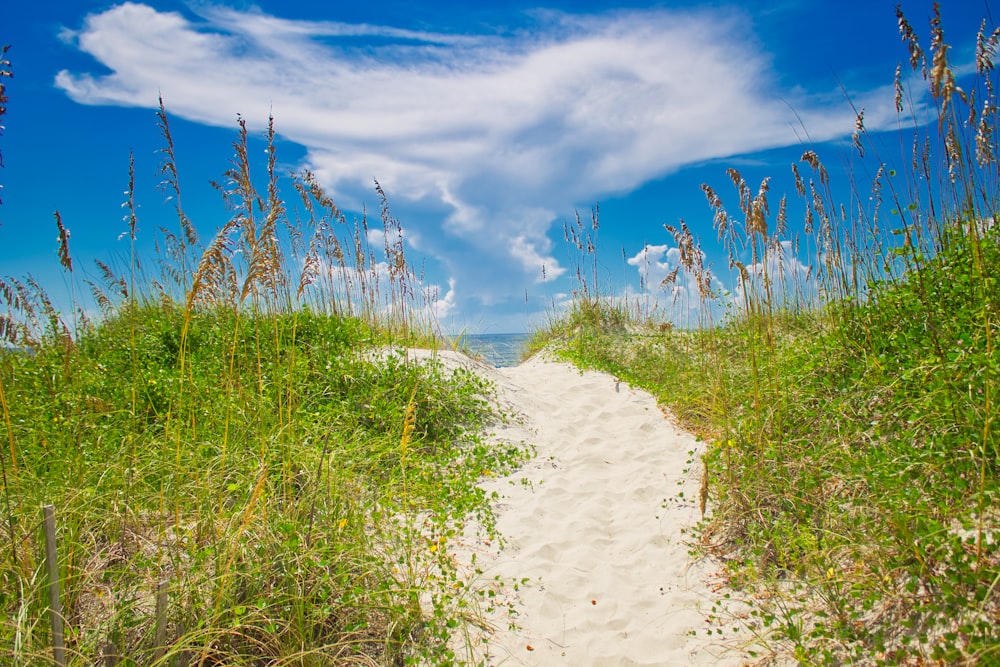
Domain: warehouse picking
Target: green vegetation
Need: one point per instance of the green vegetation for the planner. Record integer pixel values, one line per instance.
(238, 429)
(235, 427)
(851, 412)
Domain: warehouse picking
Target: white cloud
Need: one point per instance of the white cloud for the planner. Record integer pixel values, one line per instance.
(498, 135)
(654, 263)
(442, 307)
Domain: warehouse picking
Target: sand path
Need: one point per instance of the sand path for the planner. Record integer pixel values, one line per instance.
(597, 523)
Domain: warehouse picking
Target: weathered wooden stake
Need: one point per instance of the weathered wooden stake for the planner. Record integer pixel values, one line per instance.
(160, 636)
(55, 606)
(183, 657)
(109, 655)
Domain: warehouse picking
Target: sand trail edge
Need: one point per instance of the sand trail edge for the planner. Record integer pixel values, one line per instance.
(596, 531)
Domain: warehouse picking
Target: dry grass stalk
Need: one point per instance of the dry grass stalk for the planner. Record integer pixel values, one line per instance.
(5, 71)
(65, 259)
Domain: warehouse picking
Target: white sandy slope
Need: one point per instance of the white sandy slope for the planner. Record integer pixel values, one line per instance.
(599, 524)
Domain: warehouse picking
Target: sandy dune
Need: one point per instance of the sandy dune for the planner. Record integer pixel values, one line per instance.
(596, 524)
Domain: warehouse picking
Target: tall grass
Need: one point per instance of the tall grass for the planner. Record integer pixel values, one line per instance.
(230, 427)
(5, 71)
(850, 400)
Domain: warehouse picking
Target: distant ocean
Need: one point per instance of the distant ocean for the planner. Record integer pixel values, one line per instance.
(496, 349)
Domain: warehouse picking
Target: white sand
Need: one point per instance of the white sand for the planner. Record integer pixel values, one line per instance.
(599, 523)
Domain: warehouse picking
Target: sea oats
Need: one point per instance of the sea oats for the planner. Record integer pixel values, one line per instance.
(65, 259)
(56, 324)
(952, 153)
(671, 277)
(912, 42)
(720, 220)
(168, 169)
(118, 283)
(812, 159)
(103, 302)
(973, 117)
(986, 49)
(10, 295)
(210, 281)
(746, 197)
(758, 210)
(310, 269)
(799, 185)
(897, 85)
(743, 272)
(985, 150)
(859, 128)
(781, 222)
(8, 329)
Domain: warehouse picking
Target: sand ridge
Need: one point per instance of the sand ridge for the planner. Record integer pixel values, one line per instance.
(598, 524)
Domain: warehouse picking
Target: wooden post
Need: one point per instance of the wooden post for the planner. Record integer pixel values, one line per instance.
(160, 636)
(109, 655)
(55, 606)
(183, 657)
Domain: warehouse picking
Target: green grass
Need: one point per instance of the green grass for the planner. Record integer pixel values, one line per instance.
(853, 452)
(227, 425)
(268, 483)
(856, 470)
(234, 428)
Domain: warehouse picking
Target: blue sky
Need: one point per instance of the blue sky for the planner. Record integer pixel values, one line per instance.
(487, 124)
